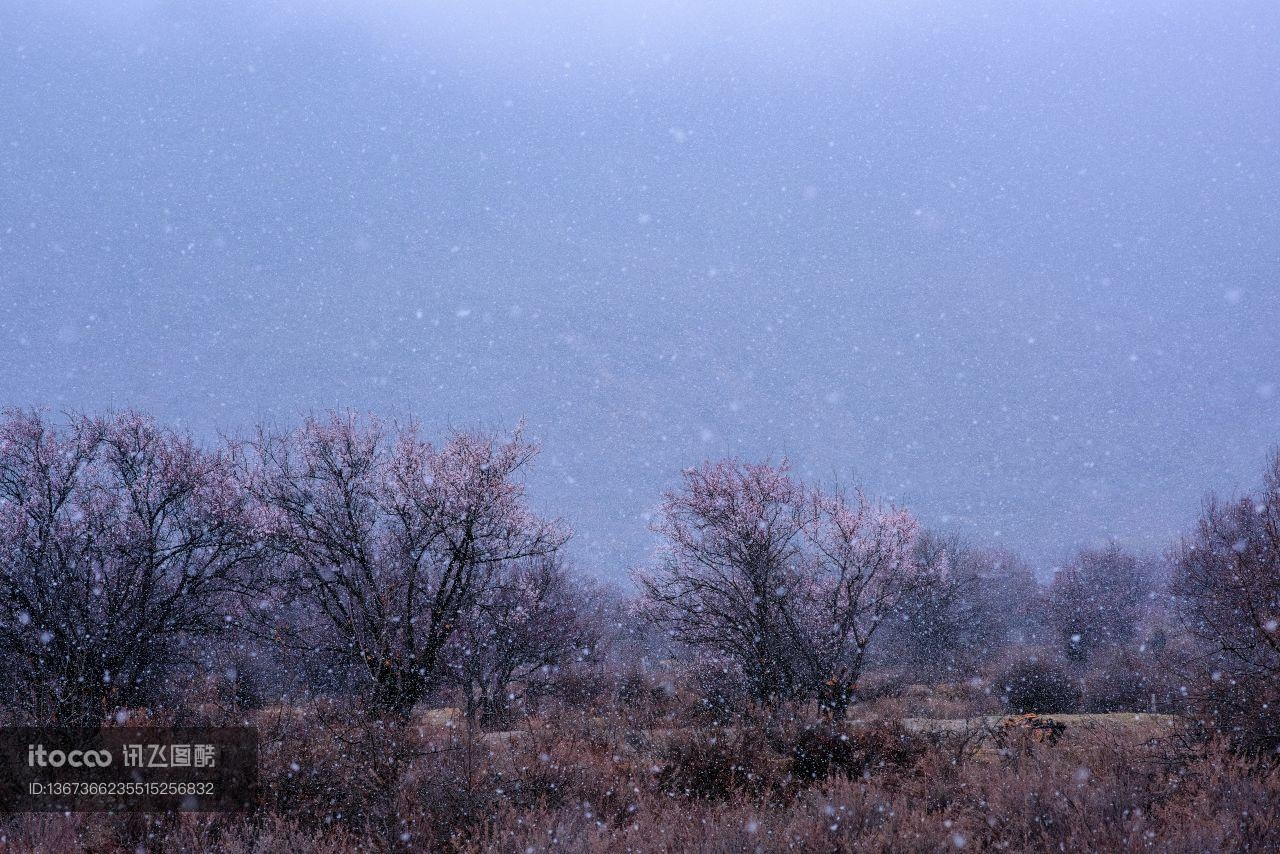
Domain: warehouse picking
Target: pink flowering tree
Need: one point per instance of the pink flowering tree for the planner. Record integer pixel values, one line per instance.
(387, 542)
(733, 559)
(864, 569)
(122, 544)
(788, 583)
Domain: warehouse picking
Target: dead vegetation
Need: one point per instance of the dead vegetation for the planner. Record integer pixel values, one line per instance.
(337, 781)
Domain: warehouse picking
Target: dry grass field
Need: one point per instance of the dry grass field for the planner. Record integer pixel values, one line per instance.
(573, 779)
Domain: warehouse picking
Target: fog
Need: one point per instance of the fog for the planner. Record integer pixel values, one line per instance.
(1016, 266)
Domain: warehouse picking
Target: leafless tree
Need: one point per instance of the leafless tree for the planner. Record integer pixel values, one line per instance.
(1008, 593)
(121, 543)
(984, 603)
(531, 619)
(390, 541)
(1227, 592)
(1095, 602)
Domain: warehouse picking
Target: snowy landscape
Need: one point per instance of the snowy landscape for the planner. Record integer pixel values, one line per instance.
(640, 426)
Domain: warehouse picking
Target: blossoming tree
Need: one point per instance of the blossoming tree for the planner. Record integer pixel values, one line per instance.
(388, 541)
(121, 544)
(790, 583)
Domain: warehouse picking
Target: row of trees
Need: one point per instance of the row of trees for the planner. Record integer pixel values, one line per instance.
(393, 568)
(125, 550)
(799, 590)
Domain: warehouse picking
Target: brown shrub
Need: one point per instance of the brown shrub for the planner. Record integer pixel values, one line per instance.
(1126, 682)
(826, 750)
(1038, 684)
(718, 762)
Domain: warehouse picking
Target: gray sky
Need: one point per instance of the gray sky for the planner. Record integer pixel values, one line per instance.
(1016, 265)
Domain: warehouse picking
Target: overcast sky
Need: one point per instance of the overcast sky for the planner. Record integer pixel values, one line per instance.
(1016, 265)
